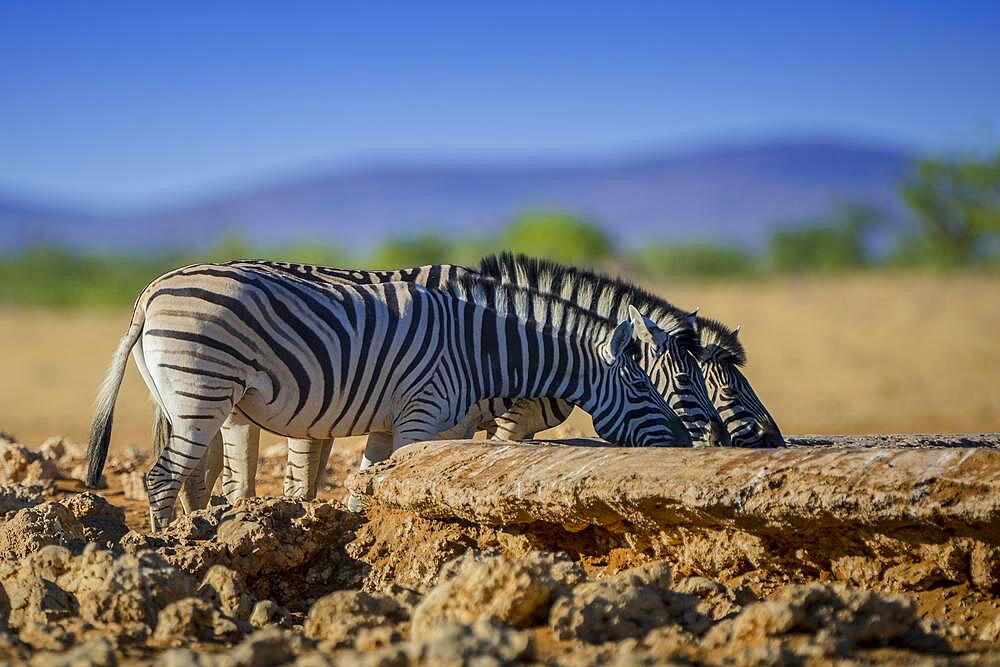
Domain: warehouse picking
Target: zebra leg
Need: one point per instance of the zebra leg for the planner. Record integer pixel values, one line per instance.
(197, 490)
(191, 436)
(380, 447)
(305, 457)
(213, 465)
(241, 444)
(326, 445)
(529, 416)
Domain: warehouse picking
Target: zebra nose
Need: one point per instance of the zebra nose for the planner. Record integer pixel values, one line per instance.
(771, 437)
(680, 435)
(718, 436)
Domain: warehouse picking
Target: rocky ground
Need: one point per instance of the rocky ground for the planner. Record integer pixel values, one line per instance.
(826, 553)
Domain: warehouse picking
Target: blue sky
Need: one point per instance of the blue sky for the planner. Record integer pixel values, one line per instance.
(130, 103)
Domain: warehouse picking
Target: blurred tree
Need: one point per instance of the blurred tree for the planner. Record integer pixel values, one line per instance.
(695, 259)
(558, 236)
(835, 243)
(412, 251)
(230, 246)
(957, 204)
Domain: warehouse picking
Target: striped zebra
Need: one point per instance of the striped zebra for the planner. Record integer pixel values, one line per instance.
(315, 360)
(235, 455)
(710, 374)
(748, 421)
(671, 363)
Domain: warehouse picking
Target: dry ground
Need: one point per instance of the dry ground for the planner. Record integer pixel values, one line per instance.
(856, 354)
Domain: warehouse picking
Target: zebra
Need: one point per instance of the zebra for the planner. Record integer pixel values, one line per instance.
(307, 459)
(502, 419)
(719, 353)
(748, 421)
(398, 361)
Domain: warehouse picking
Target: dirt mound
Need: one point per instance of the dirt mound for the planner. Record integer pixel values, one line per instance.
(517, 555)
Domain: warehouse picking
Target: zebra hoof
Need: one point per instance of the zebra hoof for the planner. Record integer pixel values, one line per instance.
(354, 504)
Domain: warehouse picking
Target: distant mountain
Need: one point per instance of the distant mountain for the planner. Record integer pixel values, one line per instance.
(737, 193)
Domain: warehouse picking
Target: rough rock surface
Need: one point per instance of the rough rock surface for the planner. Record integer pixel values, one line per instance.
(515, 592)
(335, 619)
(127, 592)
(624, 605)
(14, 497)
(851, 513)
(728, 558)
(32, 528)
(485, 643)
(20, 464)
(225, 589)
(262, 539)
(190, 619)
(102, 522)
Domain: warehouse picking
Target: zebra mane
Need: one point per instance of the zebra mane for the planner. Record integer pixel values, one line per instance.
(528, 304)
(591, 291)
(715, 333)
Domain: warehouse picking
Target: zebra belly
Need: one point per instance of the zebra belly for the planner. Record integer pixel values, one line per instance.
(337, 421)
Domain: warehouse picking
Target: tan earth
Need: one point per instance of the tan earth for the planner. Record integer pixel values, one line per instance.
(833, 551)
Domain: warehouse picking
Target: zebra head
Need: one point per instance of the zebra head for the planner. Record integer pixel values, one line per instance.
(747, 420)
(669, 357)
(629, 408)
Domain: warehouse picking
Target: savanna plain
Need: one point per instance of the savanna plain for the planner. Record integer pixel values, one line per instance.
(533, 554)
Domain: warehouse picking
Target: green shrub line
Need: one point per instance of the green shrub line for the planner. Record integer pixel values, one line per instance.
(954, 224)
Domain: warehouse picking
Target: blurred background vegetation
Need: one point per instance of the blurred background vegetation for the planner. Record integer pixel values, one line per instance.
(954, 223)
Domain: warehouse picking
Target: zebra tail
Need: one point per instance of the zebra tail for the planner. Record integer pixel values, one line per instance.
(100, 430)
(161, 431)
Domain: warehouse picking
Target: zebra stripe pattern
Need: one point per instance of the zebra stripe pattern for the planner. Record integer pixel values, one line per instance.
(316, 361)
(748, 421)
(501, 418)
(670, 357)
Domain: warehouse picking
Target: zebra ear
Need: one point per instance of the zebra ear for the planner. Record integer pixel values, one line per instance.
(736, 331)
(620, 340)
(646, 329)
(692, 318)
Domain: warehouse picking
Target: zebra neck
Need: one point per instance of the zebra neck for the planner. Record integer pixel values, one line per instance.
(520, 360)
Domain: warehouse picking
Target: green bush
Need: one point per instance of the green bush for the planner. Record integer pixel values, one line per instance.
(557, 236)
(412, 251)
(695, 259)
(957, 208)
(835, 243)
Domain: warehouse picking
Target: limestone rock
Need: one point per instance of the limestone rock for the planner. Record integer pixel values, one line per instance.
(266, 612)
(483, 643)
(128, 592)
(95, 652)
(225, 589)
(102, 522)
(32, 528)
(335, 619)
(850, 616)
(20, 464)
(14, 497)
(36, 600)
(514, 591)
(191, 619)
(263, 648)
(627, 604)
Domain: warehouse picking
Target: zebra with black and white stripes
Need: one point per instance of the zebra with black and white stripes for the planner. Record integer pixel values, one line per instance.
(670, 362)
(234, 453)
(316, 360)
(748, 421)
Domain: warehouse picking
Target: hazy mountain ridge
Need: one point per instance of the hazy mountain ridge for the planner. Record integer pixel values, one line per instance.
(736, 193)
